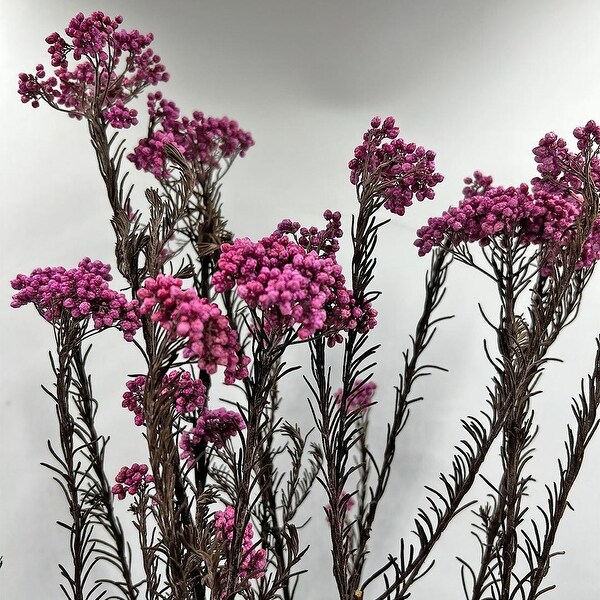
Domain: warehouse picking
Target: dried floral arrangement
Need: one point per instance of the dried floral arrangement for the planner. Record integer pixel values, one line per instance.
(216, 504)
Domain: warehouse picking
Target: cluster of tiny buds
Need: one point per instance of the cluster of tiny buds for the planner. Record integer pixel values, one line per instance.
(212, 427)
(477, 185)
(291, 286)
(187, 394)
(208, 335)
(543, 216)
(587, 136)
(98, 42)
(82, 293)
(253, 560)
(207, 143)
(133, 398)
(130, 480)
(323, 241)
(386, 166)
(120, 116)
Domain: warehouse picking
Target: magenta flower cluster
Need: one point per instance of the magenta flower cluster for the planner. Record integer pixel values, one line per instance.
(81, 293)
(253, 560)
(130, 479)
(209, 338)
(133, 398)
(207, 143)
(212, 427)
(323, 241)
(359, 399)
(116, 66)
(563, 170)
(291, 286)
(541, 216)
(186, 394)
(393, 169)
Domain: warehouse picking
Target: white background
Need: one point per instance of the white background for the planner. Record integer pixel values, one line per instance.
(478, 82)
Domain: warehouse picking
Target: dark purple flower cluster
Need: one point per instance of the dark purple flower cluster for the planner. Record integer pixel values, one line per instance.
(393, 169)
(186, 394)
(116, 66)
(291, 286)
(209, 337)
(82, 293)
(130, 479)
(207, 143)
(253, 560)
(212, 427)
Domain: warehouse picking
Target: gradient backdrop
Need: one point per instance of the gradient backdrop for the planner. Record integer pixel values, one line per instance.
(478, 82)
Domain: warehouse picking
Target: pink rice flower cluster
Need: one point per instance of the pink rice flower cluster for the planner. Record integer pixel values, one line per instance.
(188, 394)
(360, 398)
(565, 170)
(291, 286)
(323, 241)
(82, 293)
(477, 218)
(543, 216)
(212, 427)
(556, 164)
(388, 166)
(253, 560)
(133, 398)
(207, 143)
(208, 335)
(130, 479)
(116, 65)
(590, 251)
(551, 215)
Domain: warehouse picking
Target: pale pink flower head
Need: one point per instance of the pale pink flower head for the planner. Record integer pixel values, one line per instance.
(212, 427)
(186, 394)
(294, 283)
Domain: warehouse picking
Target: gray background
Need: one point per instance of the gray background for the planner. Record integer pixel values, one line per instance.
(478, 82)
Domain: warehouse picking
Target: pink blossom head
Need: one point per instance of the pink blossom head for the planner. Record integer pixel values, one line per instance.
(293, 283)
(186, 394)
(214, 427)
(566, 170)
(207, 333)
(81, 293)
(387, 166)
(208, 144)
(130, 480)
(253, 560)
(97, 65)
